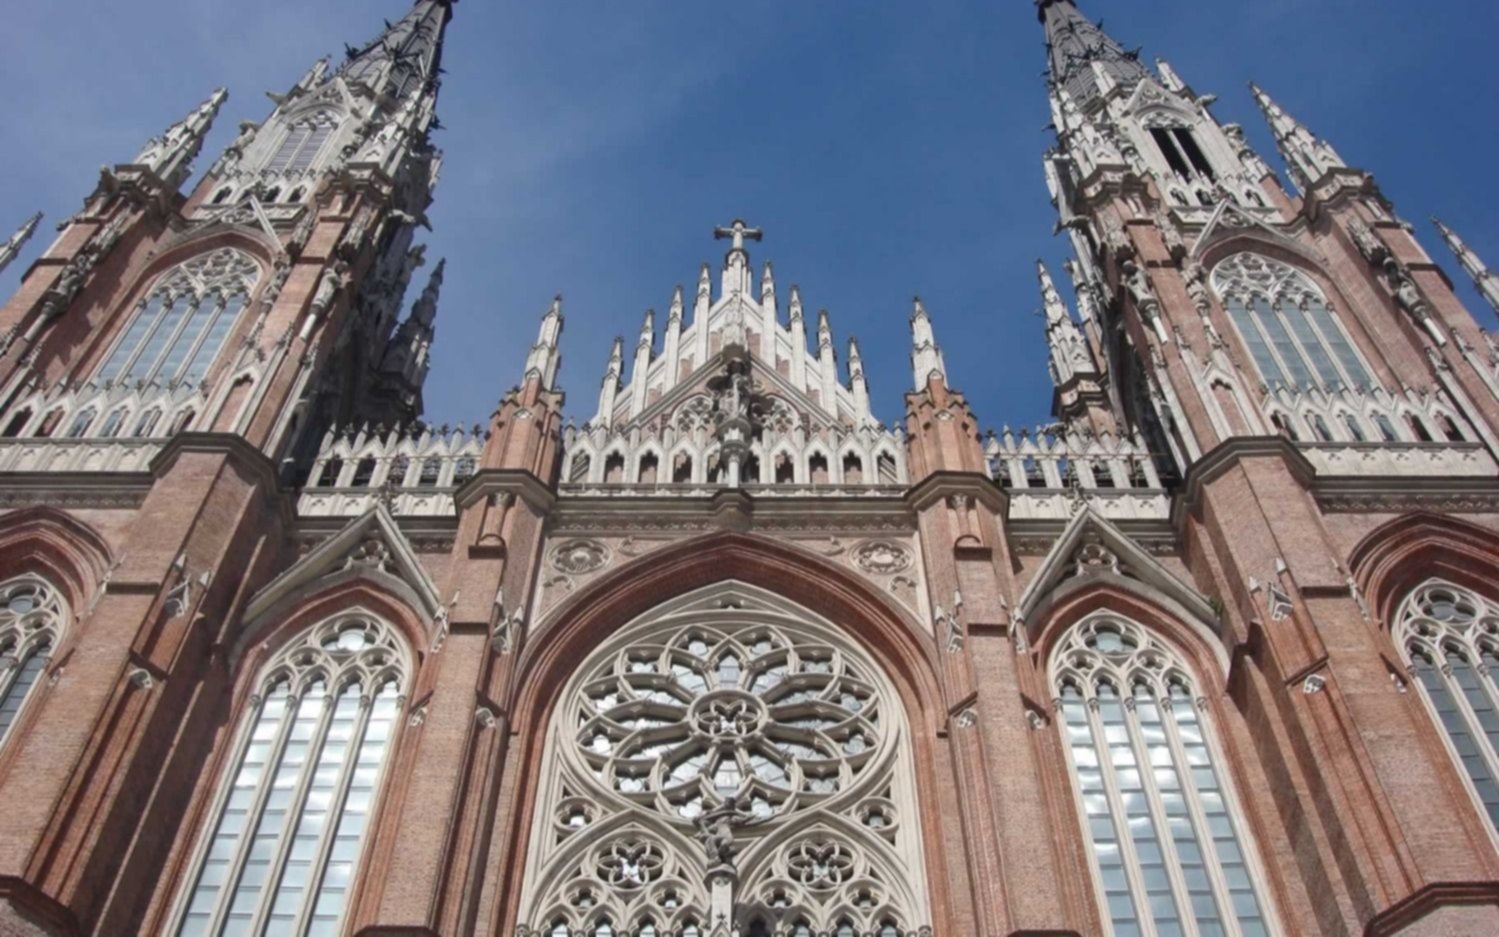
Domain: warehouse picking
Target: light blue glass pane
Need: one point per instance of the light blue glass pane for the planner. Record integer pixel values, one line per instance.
(1280, 339)
(1341, 348)
(188, 337)
(1311, 344)
(213, 342)
(145, 317)
(144, 367)
(1258, 348)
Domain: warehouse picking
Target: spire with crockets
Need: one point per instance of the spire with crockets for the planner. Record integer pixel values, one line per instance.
(1085, 61)
(1484, 279)
(1308, 157)
(12, 247)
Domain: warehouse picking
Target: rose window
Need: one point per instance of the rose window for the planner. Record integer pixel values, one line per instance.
(759, 713)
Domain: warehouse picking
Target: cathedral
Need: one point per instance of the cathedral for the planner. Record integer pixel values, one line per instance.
(717, 653)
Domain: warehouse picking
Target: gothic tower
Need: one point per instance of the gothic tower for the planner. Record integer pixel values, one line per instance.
(723, 655)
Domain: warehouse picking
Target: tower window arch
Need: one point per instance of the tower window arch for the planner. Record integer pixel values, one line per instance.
(1449, 637)
(1287, 325)
(728, 698)
(33, 618)
(283, 849)
(1164, 836)
(181, 325)
(303, 143)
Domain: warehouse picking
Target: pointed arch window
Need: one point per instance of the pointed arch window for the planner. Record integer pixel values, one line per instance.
(33, 618)
(181, 326)
(284, 846)
(729, 698)
(1450, 639)
(1287, 325)
(304, 142)
(1166, 843)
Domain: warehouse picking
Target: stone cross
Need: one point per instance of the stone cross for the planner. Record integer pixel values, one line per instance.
(738, 231)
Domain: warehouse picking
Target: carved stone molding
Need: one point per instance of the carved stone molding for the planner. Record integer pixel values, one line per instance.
(579, 557)
(882, 557)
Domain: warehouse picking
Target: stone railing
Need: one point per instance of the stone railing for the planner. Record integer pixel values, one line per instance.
(79, 455)
(415, 470)
(787, 490)
(1388, 459)
(685, 453)
(1049, 475)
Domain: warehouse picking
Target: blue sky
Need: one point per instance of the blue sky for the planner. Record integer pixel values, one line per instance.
(887, 149)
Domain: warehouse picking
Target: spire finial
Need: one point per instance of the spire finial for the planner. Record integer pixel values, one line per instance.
(545, 358)
(1483, 278)
(926, 355)
(170, 156)
(425, 310)
(1308, 157)
(11, 248)
(738, 232)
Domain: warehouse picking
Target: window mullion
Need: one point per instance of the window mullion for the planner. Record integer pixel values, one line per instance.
(294, 812)
(133, 354)
(252, 815)
(1309, 359)
(1460, 696)
(166, 349)
(1252, 315)
(335, 812)
(1205, 841)
(1158, 818)
(1120, 819)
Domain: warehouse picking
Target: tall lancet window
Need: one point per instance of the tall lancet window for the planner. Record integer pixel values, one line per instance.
(1287, 325)
(1450, 638)
(736, 713)
(284, 845)
(303, 143)
(33, 617)
(1169, 853)
(180, 327)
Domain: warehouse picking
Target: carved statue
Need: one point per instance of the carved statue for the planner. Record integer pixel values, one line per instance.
(716, 830)
(1137, 282)
(1367, 243)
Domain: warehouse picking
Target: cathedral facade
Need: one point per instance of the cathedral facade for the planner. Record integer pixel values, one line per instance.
(1216, 653)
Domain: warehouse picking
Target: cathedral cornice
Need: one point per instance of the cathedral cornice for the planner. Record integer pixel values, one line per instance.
(518, 482)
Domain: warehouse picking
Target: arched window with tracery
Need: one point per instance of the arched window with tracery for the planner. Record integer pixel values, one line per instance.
(181, 325)
(1167, 846)
(282, 851)
(1287, 325)
(303, 143)
(33, 618)
(1450, 638)
(729, 699)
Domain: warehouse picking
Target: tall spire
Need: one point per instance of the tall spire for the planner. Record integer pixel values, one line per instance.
(1069, 350)
(1483, 278)
(926, 356)
(610, 389)
(406, 57)
(170, 156)
(425, 309)
(1085, 62)
(544, 359)
(12, 247)
(858, 383)
(1308, 157)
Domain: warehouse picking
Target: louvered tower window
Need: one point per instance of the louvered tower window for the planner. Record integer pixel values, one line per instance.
(303, 143)
(288, 830)
(179, 328)
(1169, 851)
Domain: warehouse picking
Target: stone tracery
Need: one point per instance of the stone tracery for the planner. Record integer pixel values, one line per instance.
(729, 697)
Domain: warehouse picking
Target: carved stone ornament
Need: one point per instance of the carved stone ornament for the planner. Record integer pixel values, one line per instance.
(882, 557)
(576, 557)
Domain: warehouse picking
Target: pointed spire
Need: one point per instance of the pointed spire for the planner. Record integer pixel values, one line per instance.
(425, 310)
(671, 347)
(1307, 157)
(11, 248)
(857, 383)
(674, 314)
(406, 57)
(1169, 77)
(1069, 350)
(926, 356)
(1056, 309)
(170, 156)
(647, 331)
(1085, 62)
(827, 363)
(797, 325)
(1483, 278)
(640, 373)
(610, 389)
(545, 359)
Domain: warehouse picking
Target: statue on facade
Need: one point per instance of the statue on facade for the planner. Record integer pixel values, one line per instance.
(716, 830)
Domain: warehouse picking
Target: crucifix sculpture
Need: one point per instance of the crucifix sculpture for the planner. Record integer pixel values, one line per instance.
(739, 232)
